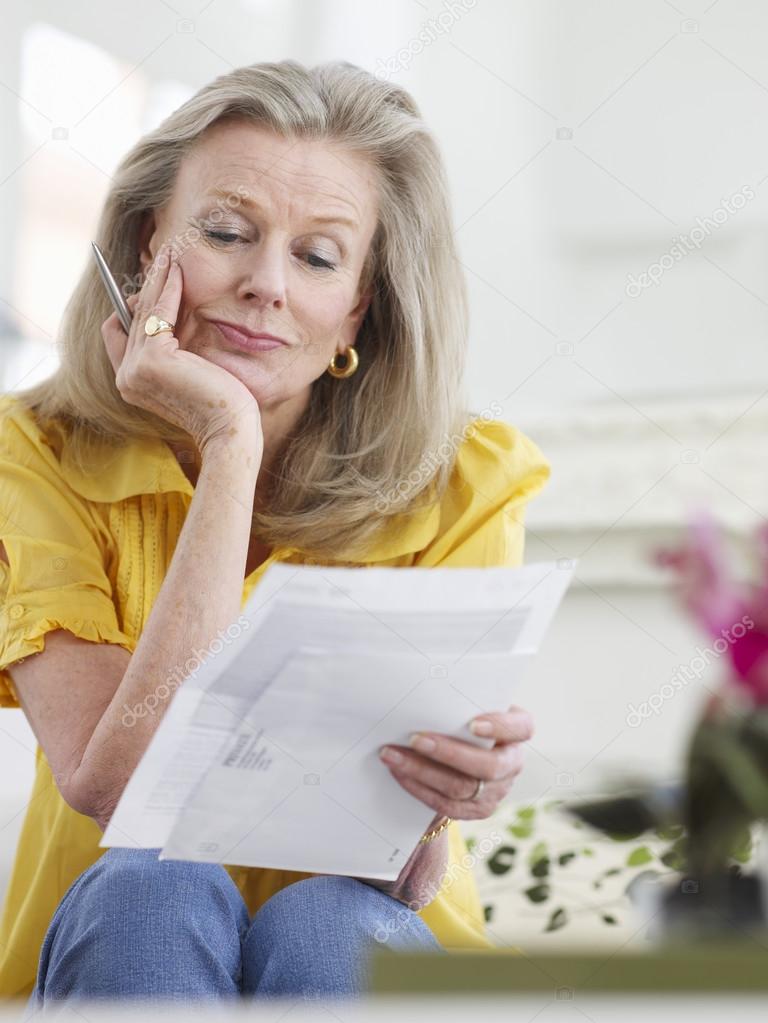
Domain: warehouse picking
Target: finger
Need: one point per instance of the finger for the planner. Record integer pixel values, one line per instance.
(508, 728)
(157, 271)
(116, 339)
(456, 784)
(460, 757)
(511, 725)
(458, 809)
(132, 301)
(169, 299)
(129, 339)
(166, 306)
(154, 283)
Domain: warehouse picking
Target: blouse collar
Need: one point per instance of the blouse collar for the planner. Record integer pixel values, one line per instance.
(149, 466)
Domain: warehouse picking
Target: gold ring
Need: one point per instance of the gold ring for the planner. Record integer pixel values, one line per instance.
(476, 794)
(156, 325)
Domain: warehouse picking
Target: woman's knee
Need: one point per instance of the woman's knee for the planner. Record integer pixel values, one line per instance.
(152, 916)
(143, 866)
(307, 903)
(314, 937)
(316, 906)
(132, 885)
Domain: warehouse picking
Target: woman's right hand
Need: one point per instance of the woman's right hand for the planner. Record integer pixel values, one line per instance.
(156, 374)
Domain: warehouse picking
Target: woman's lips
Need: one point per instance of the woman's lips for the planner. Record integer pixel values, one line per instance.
(246, 341)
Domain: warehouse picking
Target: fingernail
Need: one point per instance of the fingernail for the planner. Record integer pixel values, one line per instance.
(392, 755)
(423, 743)
(481, 726)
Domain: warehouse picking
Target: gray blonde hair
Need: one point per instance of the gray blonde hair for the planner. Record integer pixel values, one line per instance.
(359, 437)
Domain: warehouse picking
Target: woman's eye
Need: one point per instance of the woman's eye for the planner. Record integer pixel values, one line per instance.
(222, 236)
(228, 237)
(324, 264)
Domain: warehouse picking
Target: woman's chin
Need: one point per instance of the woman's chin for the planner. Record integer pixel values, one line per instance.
(253, 369)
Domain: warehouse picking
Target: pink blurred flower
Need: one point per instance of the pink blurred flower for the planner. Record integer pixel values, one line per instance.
(722, 606)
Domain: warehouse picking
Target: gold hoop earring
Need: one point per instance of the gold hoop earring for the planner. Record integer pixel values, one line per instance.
(350, 365)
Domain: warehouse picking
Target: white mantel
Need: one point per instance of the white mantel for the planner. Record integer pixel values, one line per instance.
(626, 477)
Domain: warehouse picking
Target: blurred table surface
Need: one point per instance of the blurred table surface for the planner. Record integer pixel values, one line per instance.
(629, 1007)
(703, 982)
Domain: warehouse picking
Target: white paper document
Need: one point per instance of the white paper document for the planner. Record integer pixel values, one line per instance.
(267, 756)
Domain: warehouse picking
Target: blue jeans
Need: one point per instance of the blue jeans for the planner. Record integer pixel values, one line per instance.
(134, 926)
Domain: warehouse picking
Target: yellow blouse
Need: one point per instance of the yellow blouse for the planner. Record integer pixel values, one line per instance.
(89, 552)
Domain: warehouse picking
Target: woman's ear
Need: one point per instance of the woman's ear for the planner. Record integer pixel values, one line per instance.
(358, 313)
(147, 241)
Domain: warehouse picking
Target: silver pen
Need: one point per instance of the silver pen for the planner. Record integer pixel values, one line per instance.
(124, 314)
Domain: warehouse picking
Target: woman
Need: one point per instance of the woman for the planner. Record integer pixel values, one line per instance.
(146, 487)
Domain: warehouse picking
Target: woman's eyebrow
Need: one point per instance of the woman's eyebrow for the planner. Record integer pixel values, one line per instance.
(322, 218)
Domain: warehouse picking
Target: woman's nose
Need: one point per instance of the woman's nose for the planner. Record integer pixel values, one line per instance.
(264, 275)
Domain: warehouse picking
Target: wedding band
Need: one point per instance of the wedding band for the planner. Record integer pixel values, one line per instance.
(156, 325)
(476, 794)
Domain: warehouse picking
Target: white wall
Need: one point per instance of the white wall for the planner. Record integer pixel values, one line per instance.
(581, 140)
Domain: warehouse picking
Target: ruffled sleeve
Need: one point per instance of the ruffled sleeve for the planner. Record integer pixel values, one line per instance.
(496, 472)
(55, 576)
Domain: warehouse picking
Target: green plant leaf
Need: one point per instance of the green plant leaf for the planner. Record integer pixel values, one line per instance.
(541, 867)
(537, 852)
(621, 836)
(488, 913)
(538, 860)
(471, 843)
(608, 919)
(520, 830)
(503, 860)
(539, 893)
(565, 858)
(639, 856)
(558, 918)
(673, 859)
(526, 813)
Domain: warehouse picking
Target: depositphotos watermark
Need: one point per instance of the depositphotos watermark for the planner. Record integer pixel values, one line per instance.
(469, 860)
(430, 462)
(189, 669)
(686, 672)
(428, 32)
(686, 243)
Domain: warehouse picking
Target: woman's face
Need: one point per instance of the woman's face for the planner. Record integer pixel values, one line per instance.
(245, 219)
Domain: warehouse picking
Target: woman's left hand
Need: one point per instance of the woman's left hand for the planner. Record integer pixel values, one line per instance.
(444, 772)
